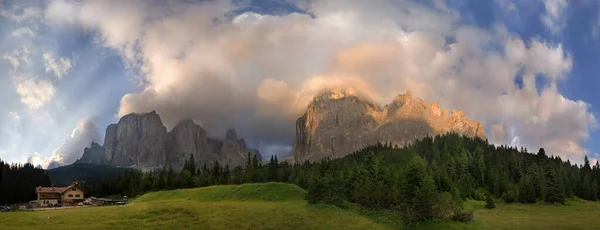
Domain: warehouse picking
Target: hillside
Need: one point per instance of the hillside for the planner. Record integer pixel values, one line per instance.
(88, 173)
(249, 206)
(282, 206)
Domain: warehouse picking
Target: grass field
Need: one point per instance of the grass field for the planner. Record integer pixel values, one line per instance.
(249, 206)
(282, 206)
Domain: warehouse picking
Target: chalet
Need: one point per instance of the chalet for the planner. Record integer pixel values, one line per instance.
(52, 196)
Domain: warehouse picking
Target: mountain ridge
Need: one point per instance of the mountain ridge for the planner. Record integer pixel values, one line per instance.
(140, 140)
(336, 124)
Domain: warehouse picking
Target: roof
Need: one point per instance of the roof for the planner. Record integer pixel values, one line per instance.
(41, 189)
(49, 189)
(71, 186)
(102, 199)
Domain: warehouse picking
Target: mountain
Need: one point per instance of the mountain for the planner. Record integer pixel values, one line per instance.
(337, 124)
(141, 141)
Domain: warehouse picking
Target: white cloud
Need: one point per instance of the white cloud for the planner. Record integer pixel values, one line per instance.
(555, 18)
(34, 93)
(15, 117)
(58, 12)
(80, 138)
(593, 158)
(59, 66)
(27, 14)
(23, 32)
(243, 72)
(39, 160)
(72, 148)
(18, 57)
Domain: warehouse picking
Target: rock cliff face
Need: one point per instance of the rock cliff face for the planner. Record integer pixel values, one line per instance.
(95, 154)
(337, 124)
(142, 141)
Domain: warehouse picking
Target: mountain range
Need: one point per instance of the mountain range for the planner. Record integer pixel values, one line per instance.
(338, 123)
(334, 125)
(142, 141)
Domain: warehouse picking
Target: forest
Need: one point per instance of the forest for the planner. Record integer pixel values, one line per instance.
(427, 179)
(18, 182)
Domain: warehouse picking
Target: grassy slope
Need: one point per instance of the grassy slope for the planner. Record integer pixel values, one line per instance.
(575, 214)
(250, 206)
(282, 206)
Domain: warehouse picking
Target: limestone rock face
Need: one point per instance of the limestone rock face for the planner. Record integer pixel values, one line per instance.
(139, 141)
(336, 125)
(142, 141)
(95, 154)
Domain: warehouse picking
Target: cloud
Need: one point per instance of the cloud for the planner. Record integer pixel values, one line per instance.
(39, 160)
(72, 148)
(554, 19)
(23, 32)
(58, 66)
(81, 137)
(27, 14)
(18, 57)
(34, 93)
(257, 72)
(593, 158)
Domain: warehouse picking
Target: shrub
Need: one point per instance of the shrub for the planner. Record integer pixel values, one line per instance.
(325, 190)
(509, 197)
(480, 194)
(445, 206)
(489, 202)
(463, 215)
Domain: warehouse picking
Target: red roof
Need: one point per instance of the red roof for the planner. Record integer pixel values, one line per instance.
(55, 189)
(49, 189)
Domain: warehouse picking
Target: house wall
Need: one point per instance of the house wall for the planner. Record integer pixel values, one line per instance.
(44, 203)
(45, 196)
(72, 196)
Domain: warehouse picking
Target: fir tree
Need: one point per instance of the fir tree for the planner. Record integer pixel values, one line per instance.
(554, 192)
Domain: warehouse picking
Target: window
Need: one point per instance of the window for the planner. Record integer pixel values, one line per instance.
(70, 195)
(73, 189)
(77, 195)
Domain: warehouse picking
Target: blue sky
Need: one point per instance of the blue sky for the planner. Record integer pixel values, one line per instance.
(526, 69)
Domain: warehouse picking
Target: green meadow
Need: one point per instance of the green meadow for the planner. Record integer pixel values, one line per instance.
(282, 206)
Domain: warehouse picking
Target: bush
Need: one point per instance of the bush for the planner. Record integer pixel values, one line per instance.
(445, 206)
(463, 215)
(489, 202)
(509, 197)
(325, 190)
(480, 194)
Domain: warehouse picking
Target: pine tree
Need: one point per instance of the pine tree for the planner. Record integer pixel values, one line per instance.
(526, 191)
(554, 192)
(417, 191)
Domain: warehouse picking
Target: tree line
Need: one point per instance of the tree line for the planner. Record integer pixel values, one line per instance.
(18, 182)
(428, 179)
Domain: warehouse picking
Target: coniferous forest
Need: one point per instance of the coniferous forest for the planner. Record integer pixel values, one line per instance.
(428, 179)
(18, 182)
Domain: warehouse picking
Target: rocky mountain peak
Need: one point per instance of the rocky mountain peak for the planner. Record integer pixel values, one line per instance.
(142, 141)
(231, 135)
(402, 99)
(336, 126)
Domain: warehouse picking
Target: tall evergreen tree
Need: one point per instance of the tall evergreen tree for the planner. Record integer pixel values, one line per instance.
(554, 191)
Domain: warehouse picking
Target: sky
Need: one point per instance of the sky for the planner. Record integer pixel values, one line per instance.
(526, 69)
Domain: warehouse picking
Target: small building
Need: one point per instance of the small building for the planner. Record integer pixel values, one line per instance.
(102, 201)
(53, 196)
